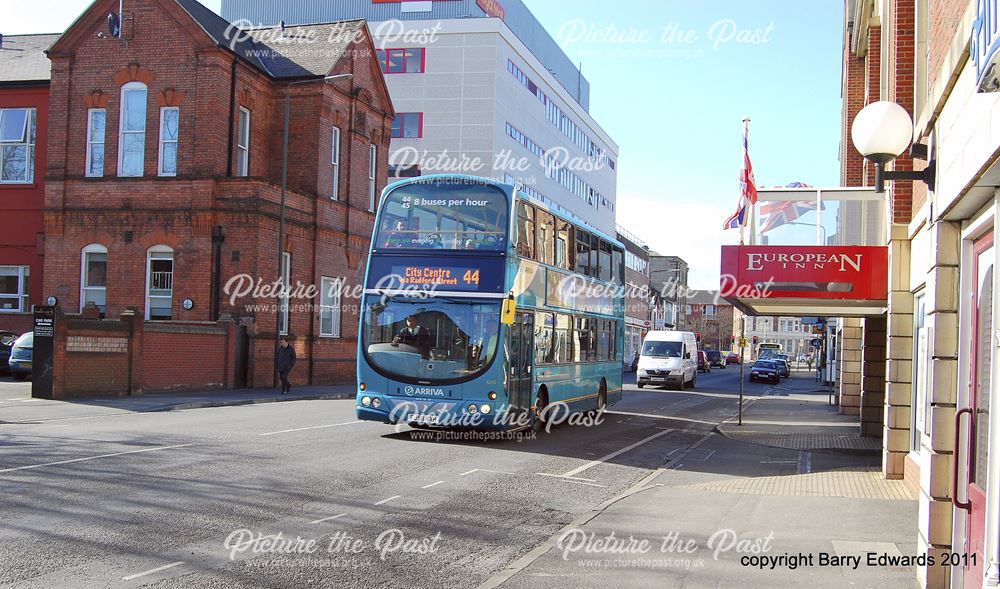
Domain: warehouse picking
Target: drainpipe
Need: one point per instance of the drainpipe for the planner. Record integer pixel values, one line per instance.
(232, 114)
(216, 287)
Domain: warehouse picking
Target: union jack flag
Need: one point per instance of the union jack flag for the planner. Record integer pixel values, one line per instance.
(783, 212)
(748, 188)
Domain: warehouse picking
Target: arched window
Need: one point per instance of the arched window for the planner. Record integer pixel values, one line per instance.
(94, 276)
(159, 283)
(132, 130)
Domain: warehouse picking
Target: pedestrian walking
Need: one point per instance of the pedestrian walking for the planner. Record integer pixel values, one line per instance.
(283, 364)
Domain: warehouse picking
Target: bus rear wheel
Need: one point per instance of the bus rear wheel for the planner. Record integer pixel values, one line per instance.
(602, 398)
(538, 411)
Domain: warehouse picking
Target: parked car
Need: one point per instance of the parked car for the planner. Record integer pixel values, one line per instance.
(766, 371)
(715, 358)
(20, 356)
(732, 358)
(783, 368)
(6, 343)
(703, 364)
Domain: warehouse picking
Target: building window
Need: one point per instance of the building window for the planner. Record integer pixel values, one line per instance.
(132, 130)
(17, 145)
(408, 125)
(14, 289)
(329, 307)
(159, 283)
(402, 61)
(921, 359)
(286, 277)
(94, 276)
(335, 164)
(243, 144)
(96, 119)
(372, 168)
(169, 121)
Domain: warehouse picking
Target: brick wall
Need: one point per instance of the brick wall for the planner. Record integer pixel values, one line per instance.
(92, 356)
(88, 357)
(900, 72)
(183, 67)
(187, 356)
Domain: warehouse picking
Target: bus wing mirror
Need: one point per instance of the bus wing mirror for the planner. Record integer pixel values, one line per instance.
(507, 312)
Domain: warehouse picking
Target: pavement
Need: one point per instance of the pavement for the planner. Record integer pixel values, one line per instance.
(793, 497)
(17, 405)
(103, 493)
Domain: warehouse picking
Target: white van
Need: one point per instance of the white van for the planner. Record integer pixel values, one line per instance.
(668, 358)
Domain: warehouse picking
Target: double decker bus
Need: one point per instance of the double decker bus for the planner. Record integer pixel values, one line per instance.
(485, 309)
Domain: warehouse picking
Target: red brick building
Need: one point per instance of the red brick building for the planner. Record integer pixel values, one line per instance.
(163, 176)
(24, 115)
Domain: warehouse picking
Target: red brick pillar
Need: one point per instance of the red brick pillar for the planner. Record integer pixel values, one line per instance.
(229, 357)
(134, 320)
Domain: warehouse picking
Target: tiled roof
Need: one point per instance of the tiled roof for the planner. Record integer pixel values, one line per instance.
(23, 59)
(305, 50)
(296, 51)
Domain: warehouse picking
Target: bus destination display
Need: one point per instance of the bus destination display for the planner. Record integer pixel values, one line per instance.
(440, 277)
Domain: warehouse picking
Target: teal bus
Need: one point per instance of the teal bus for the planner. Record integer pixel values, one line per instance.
(484, 308)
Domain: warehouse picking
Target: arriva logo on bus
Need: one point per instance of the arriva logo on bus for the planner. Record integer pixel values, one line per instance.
(426, 391)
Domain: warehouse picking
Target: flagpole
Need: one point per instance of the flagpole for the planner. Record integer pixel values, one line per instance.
(750, 206)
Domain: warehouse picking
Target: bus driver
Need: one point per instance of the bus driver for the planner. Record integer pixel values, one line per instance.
(414, 335)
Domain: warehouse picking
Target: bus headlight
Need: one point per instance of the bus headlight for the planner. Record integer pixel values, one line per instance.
(362, 387)
(366, 401)
(473, 408)
(492, 396)
(376, 402)
(485, 409)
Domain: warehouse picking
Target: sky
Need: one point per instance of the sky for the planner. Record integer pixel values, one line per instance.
(670, 82)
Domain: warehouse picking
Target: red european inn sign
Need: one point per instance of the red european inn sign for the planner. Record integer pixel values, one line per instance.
(800, 280)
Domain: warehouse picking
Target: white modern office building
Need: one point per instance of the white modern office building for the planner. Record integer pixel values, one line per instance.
(480, 88)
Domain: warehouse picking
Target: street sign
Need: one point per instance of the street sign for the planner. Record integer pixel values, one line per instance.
(743, 342)
(811, 320)
(817, 343)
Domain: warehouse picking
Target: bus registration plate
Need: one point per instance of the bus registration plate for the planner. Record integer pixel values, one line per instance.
(422, 419)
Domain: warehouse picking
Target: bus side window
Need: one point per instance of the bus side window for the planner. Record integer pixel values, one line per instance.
(605, 258)
(544, 322)
(619, 266)
(595, 249)
(525, 230)
(583, 253)
(546, 227)
(564, 245)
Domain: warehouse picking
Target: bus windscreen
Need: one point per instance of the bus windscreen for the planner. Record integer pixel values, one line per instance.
(444, 215)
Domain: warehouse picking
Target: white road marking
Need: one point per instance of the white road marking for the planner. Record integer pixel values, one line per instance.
(302, 429)
(575, 482)
(389, 499)
(484, 470)
(96, 457)
(151, 571)
(559, 476)
(604, 459)
(652, 416)
(326, 519)
(432, 485)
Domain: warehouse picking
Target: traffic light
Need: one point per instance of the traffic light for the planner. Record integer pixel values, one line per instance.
(697, 335)
(755, 340)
